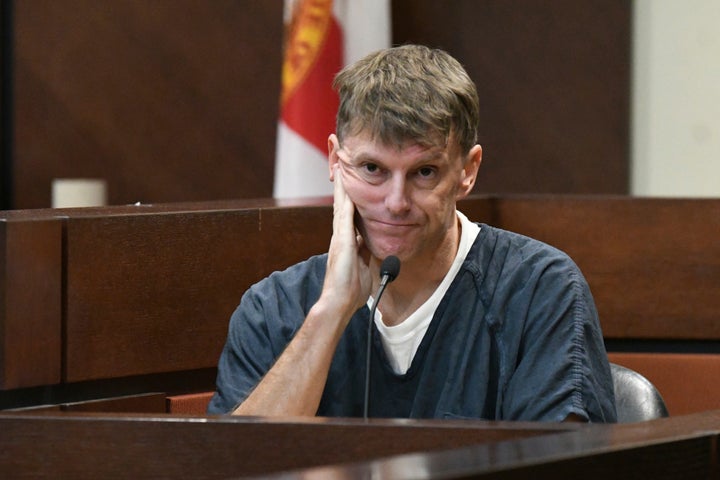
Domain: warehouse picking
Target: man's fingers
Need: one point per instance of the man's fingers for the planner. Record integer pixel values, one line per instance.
(343, 209)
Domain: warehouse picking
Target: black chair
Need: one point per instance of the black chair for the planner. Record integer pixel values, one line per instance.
(636, 399)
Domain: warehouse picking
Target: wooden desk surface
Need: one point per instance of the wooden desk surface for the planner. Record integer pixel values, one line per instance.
(70, 445)
(684, 447)
(145, 446)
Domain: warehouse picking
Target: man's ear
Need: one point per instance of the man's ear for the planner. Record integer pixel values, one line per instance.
(470, 171)
(333, 147)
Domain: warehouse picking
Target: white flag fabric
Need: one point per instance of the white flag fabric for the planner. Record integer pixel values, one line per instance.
(321, 36)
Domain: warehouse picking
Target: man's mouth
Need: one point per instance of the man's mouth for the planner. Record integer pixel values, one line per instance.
(390, 224)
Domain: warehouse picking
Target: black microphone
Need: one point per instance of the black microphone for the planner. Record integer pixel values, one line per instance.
(389, 270)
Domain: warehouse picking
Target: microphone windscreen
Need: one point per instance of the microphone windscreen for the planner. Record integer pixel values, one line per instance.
(390, 267)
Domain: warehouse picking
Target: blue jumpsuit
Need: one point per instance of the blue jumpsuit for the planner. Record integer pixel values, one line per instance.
(516, 337)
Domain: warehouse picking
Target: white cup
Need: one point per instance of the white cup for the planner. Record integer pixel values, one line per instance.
(78, 192)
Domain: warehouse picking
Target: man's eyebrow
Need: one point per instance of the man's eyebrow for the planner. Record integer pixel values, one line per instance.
(430, 155)
(364, 157)
(345, 156)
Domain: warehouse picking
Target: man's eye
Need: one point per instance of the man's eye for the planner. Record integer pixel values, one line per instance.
(426, 172)
(371, 168)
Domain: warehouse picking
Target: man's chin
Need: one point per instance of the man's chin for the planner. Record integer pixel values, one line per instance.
(384, 250)
(382, 245)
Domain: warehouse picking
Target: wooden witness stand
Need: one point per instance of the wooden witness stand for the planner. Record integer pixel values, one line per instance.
(143, 446)
(115, 309)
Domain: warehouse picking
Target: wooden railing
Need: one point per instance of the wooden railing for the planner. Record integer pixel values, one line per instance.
(136, 446)
(129, 300)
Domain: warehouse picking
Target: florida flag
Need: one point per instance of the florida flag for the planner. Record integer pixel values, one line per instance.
(321, 36)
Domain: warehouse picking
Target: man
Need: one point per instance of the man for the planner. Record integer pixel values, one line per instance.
(480, 323)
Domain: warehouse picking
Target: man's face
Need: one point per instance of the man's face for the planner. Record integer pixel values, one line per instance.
(405, 197)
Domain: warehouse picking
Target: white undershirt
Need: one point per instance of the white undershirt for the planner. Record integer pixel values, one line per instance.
(402, 341)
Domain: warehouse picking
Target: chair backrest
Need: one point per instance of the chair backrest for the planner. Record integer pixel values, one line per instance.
(636, 398)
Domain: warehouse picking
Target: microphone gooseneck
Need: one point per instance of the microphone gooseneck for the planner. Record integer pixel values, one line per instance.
(389, 270)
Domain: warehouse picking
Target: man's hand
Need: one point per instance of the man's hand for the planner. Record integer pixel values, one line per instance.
(294, 385)
(347, 280)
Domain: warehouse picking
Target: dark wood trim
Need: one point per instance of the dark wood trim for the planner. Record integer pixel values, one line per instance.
(180, 446)
(6, 105)
(30, 303)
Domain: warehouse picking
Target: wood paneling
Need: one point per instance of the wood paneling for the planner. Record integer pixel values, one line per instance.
(189, 403)
(653, 264)
(161, 98)
(177, 100)
(30, 303)
(144, 403)
(6, 111)
(153, 293)
(683, 380)
(109, 301)
(554, 85)
(147, 290)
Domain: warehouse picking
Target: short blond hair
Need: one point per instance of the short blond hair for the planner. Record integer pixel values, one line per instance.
(405, 94)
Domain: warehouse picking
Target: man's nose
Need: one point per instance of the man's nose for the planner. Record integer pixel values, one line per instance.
(397, 199)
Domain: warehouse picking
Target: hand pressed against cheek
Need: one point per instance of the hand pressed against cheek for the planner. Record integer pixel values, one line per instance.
(351, 180)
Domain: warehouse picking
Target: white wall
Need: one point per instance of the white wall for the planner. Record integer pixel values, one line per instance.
(676, 98)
